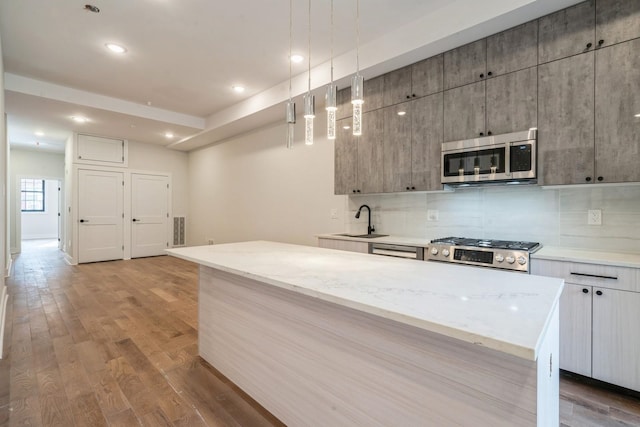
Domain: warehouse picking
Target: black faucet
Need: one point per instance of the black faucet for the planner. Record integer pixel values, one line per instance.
(370, 228)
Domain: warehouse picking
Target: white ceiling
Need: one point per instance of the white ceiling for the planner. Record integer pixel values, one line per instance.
(184, 56)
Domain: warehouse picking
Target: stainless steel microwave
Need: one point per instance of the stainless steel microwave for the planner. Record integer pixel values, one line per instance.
(506, 158)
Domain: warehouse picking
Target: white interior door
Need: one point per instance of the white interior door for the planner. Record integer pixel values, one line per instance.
(149, 214)
(100, 216)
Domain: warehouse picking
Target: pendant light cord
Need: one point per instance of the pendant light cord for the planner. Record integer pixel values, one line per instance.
(309, 31)
(357, 36)
(331, 41)
(290, 42)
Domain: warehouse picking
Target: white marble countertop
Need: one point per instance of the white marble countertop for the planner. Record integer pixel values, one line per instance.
(393, 240)
(505, 311)
(618, 259)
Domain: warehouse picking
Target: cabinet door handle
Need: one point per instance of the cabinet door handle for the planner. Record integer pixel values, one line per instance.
(489, 133)
(585, 290)
(588, 179)
(84, 220)
(598, 292)
(482, 76)
(589, 45)
(489, 73)
(413, 188)
(597, 276)
(481, 133)
(135, 220)
(408, 97)
(407, 188)
(600, 178)
(600, 42)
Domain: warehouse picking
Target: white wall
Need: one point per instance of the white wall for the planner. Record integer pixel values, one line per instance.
(252, 187)
(29, 164)
(43, 225)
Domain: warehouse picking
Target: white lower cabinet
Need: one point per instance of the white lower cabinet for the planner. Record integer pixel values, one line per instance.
(599, 320)
(616, 337)
(575, 329)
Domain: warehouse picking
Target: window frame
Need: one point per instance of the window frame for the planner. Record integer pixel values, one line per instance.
(23, 192)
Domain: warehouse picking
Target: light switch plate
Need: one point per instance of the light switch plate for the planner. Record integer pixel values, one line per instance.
(334, 213)
(432, 215)
(594, 217)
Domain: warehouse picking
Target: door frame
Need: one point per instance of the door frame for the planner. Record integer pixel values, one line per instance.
(18, 208)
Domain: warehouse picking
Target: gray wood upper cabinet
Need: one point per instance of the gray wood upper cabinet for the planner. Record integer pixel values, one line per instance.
(373, 94)
(414, 81)
(358, 159)
(465, 64)
(343, 101)
(617, 95)
(426, 142)
(617, 21)
(397, 147)
(345, 159)
(566, 149)
(512, 102)
(567, 32)
(464, 112)
(412, 144)
(512, 50)
(427, 76)
(397, 86)
(370, 152)
(498, 105)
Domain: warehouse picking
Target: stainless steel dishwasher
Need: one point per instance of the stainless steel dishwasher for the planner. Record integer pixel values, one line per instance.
(398, 251)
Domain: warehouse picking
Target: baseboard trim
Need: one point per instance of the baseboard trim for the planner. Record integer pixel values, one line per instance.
(69, 260)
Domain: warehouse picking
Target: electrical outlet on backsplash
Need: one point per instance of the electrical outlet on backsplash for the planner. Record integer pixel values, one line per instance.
(553, 217)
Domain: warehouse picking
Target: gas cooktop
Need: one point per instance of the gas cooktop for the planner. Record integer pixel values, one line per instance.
(503, 254)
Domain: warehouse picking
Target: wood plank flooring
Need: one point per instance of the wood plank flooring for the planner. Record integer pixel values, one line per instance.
(115, 344)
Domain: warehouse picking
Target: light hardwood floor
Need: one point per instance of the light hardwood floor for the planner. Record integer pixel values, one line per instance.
(115, 343)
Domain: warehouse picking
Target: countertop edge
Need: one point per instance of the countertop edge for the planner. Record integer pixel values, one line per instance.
(527, 353)
(617, 259)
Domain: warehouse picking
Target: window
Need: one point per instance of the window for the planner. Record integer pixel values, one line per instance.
(32, 195)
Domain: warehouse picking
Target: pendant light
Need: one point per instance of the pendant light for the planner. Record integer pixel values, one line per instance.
(291, 106)
(309, 100)
(331, 96)
(357, 82)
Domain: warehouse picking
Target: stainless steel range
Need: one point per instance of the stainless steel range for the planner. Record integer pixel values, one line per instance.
(502, 254)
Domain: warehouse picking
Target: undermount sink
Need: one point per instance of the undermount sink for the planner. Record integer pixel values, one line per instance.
(365, 236)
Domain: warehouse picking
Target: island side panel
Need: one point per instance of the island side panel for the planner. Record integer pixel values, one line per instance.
(549, 373)
(311, 362)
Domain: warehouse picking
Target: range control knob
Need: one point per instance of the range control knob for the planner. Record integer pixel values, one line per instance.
(434, 251)
(522, 260)
(499, 258)
(445, 252)
(510, 259)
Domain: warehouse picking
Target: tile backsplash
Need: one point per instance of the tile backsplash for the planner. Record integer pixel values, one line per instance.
(553, 217)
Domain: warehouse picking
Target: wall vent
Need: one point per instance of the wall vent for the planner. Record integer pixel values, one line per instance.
(179, 236)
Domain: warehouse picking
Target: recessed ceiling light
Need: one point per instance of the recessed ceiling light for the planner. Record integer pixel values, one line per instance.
(637, 115)
(346, 127)
(297, 58)
(79, 119)
(168, 135)
(39, 133)
(238, 88)
(402, 113)
(116, 48)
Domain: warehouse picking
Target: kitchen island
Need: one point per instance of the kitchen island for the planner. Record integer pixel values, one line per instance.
(326, 337)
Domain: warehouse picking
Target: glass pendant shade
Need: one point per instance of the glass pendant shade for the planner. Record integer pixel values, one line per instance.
(309, 115)
(331, 107)
(357, 99)
(291, 122)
